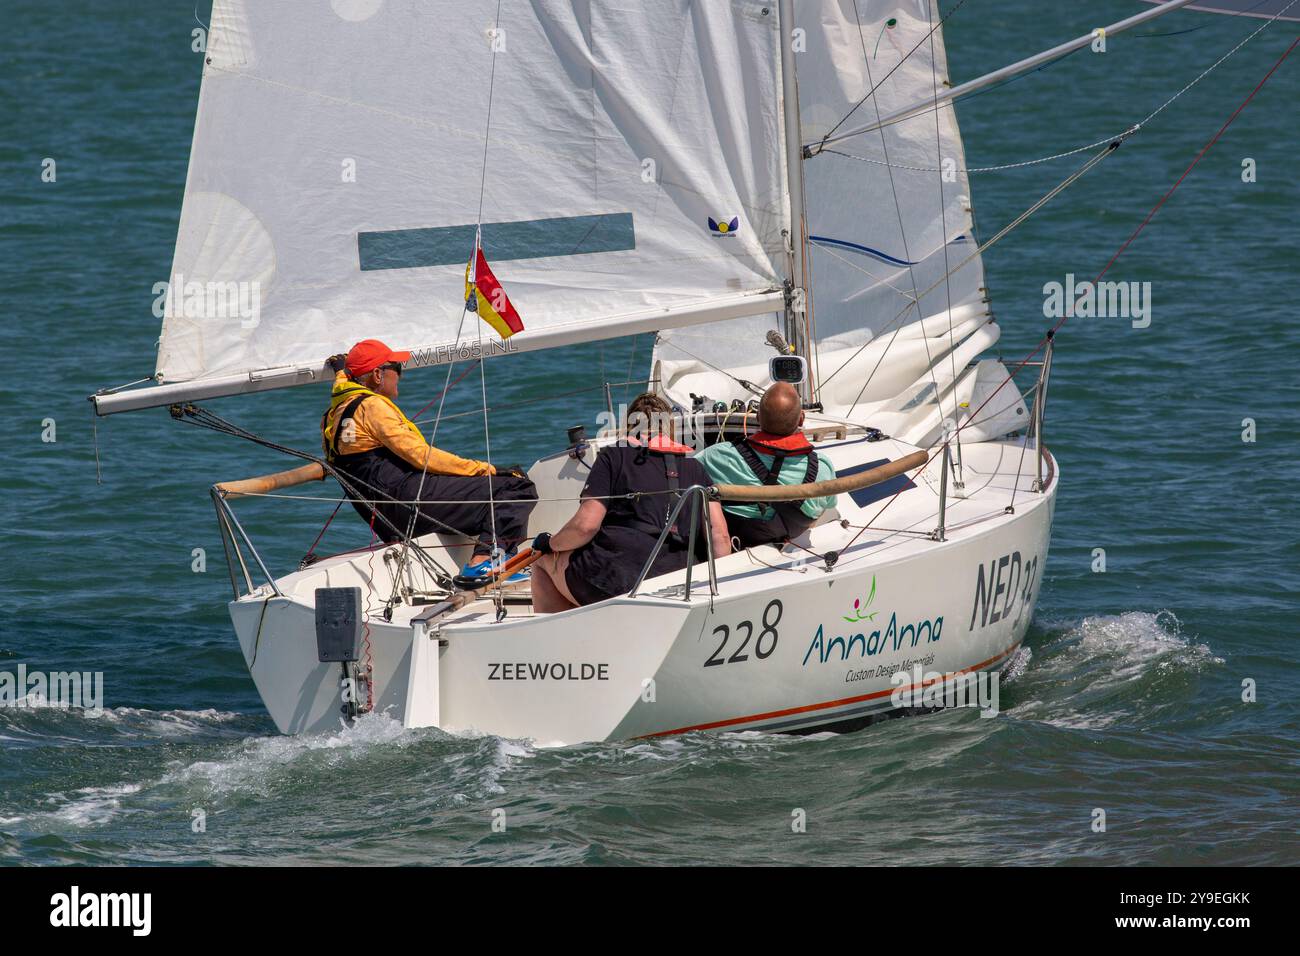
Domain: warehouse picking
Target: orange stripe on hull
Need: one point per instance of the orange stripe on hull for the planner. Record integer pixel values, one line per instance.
(807, 708)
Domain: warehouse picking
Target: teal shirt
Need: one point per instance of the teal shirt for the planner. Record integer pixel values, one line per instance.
(726, 467)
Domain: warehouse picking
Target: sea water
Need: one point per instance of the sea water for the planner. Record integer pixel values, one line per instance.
(1158, 680)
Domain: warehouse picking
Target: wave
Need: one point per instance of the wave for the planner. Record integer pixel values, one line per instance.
(258, 763)
(1092, 673)
(427, 764)
(1108, 670)
(39, 722)
(85, 807)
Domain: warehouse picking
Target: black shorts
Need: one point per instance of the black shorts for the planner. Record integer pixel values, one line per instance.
(583, 591)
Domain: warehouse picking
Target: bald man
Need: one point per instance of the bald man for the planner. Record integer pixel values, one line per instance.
(776, 454)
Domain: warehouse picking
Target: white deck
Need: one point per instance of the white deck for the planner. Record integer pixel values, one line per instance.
(997, 475)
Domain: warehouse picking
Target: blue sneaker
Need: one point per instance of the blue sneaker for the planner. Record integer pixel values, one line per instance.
(477, 575)
(480, 570)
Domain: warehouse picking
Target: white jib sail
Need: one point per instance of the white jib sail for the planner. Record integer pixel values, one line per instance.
(633, 163)
(888, 215)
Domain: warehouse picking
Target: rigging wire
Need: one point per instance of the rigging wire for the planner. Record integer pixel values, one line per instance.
(631, 362)
(1175, 33)
(478, 245)
(1061, 187)
(442, 397)
(1087, 166)
(443, 394)
(519, 402)
(876, 86)
(628, 496)
(975, 169)
(94, 415)
(943, 220)
(829, 250)
(1012, 79)
(1078, 149)
(1069, 312)
(1038, 204)
(1140, 124)
(898, 207)
(328, 521)
(201, 417)
(743, 383)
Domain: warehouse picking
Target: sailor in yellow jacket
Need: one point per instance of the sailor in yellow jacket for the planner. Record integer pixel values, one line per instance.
(383, 454)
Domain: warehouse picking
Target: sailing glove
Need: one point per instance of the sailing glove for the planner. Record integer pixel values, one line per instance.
(542, 543)
(337, 362)
(513, 471)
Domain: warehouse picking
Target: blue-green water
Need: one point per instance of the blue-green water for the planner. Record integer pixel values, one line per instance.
(1129, 700)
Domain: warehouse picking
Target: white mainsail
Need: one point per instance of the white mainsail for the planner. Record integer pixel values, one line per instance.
(633, 177)
(888, 216)
(339, 159)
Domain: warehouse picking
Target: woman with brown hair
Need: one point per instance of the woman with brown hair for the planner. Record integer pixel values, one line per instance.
(603, 547)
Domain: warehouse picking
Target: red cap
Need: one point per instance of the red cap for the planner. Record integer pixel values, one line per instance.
(369, 355)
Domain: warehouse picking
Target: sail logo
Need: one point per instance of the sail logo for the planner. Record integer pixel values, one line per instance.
(884, 638)
(1102, 300)
(724, 228)
(209, 300)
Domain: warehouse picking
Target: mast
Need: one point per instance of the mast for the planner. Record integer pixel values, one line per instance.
(933, 102)
(796, 315)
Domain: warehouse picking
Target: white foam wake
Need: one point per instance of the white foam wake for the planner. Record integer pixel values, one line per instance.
(1106, 669)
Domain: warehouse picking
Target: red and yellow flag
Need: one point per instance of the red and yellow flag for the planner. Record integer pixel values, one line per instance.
(484, 295)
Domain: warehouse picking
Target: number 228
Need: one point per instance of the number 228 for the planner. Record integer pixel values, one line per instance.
(764, 644)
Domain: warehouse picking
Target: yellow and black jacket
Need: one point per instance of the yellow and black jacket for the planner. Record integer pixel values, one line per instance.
(377, 423)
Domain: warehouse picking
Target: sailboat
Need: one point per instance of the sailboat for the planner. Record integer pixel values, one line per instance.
(745, 180)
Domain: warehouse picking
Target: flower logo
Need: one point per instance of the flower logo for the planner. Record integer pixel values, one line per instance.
(860, 606)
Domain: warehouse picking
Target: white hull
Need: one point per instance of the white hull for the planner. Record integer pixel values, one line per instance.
(657, 664)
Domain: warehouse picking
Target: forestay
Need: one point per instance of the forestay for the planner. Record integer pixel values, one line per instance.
(1261, 9)
(339, 157)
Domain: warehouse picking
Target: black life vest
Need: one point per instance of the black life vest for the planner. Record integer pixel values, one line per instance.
(330, 435)
(772, 476)
(376, 474)
(789, 518)
(670, 453)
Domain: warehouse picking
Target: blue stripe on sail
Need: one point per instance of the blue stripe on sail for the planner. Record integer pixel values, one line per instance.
(524, 239)
(867, 250)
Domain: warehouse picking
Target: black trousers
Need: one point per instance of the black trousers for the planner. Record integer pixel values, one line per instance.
(752, 532)
(463, 506)
(467, 510)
